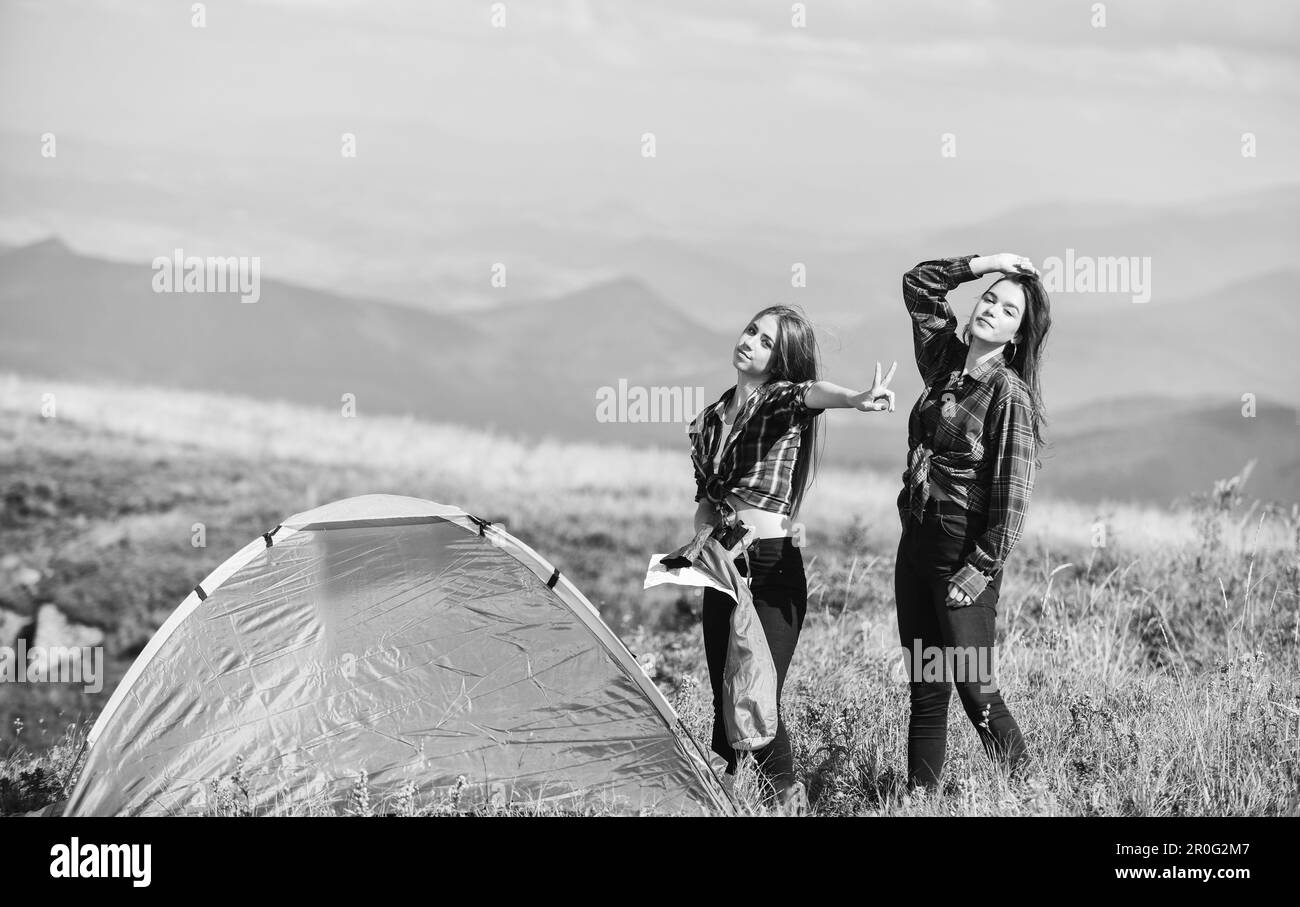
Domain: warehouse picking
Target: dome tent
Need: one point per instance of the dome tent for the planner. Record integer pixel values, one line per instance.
(402, 638)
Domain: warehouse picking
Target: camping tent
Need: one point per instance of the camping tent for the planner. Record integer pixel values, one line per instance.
(402, 638)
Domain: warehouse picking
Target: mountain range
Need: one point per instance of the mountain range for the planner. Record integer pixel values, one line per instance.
(1144, 400)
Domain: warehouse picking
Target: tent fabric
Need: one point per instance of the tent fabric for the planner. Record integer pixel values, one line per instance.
(400, 638)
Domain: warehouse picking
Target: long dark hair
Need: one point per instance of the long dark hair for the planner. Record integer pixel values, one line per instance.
(1026, 357)
(795, 357)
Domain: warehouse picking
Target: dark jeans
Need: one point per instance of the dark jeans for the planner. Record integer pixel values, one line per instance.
(780, 592)
(944, 645)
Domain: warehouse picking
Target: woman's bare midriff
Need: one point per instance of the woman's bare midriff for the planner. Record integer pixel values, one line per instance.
(765, 523)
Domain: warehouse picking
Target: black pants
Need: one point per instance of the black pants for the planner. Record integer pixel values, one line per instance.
(943, 645)
(780, 592)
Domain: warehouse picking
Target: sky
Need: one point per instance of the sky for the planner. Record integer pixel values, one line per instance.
(834, 130)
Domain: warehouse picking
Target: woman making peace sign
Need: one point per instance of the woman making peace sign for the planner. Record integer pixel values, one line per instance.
(753, 452)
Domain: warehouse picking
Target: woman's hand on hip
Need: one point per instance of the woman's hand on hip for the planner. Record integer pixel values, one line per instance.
(956, 597)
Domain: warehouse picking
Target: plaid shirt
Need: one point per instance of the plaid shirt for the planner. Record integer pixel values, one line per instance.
(970, 435)
(759, 453)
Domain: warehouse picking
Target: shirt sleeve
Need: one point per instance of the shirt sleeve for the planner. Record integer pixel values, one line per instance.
(786, 399)
(694, 431)
(1010, 433)
(934, 326)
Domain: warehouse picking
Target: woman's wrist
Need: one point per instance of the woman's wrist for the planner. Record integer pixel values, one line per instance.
(705, 512)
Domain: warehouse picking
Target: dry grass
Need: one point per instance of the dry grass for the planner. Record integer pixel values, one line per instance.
(1156, 675)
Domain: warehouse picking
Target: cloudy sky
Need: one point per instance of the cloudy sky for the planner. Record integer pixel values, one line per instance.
(833, 130)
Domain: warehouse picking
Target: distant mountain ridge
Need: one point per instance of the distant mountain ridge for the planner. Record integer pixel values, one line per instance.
(1160, 449)
(527, 368)
(537, 369)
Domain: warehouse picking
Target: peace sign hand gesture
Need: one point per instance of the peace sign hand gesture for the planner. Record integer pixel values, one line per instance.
(879, 398)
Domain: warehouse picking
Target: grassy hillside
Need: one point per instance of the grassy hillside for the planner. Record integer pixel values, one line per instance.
(1156, 674)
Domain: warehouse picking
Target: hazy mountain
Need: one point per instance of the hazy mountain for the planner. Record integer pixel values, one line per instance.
(526, 369)
(418, 233)
(1213, 346)
(1158, 449)
(564, 351)
(537, 368)
(68, 315)
(1149, 448)
(1236, 339)
(1193, 246)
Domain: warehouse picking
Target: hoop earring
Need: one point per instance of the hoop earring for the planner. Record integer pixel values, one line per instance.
(1012, 356)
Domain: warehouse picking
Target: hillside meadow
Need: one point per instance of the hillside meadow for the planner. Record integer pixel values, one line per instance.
(1150, 656)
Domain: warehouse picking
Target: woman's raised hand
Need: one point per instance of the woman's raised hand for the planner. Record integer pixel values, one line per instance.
(1005, 262)
(879, 398)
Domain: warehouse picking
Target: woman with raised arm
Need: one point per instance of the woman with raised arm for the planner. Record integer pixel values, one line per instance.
(754, 457)
(973, 442)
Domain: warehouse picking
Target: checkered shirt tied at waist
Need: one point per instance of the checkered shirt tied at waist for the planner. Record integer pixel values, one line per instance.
(759, 453)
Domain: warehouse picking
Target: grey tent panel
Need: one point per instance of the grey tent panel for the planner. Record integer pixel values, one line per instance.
(386, 635)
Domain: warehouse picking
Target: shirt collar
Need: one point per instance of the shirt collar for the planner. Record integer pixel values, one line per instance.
(719, 405)
(716, 406)
(988, 365)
